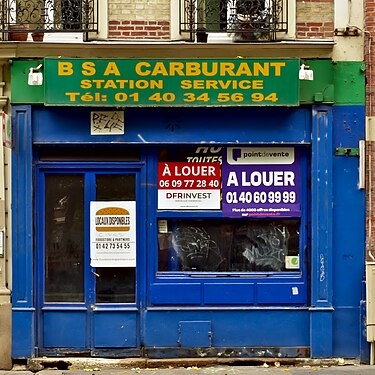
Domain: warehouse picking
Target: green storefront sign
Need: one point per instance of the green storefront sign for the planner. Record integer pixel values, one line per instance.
(169, 82)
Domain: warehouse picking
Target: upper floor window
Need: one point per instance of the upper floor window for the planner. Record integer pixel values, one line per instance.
(50, 16)
(242, 20)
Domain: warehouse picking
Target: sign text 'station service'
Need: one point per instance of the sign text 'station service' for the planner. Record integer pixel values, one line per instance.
(198, 82)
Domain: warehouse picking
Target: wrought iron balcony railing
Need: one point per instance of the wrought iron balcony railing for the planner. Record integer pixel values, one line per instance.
(244, 20)
(49, 15)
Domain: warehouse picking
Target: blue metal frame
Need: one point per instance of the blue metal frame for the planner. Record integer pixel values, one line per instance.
(348, 237)
(22, 223)
(178, 126)
(321, 239)
(331, 326)
(89, 171)
(186, 288)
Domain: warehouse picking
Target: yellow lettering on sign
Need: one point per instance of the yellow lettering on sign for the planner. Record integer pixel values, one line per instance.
(243, 69)
(159, 69)
(64, 68)
(199, 84)
(88, 68)
(207, 72)
(211, 84)
(226, 84)
(122, 84)
(244, 84)
(261, 69)
(110, 84)
(140, 69)
(72, 96)
(98, 83)
(176, 68)
(193, 69)
(86, 84)
(277, 66)
(227, 68)
(207, 69)
(111, 69)
(186, 84)
(258, 84)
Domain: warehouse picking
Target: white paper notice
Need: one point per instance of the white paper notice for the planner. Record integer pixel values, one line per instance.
(113, 234)
(107, 123)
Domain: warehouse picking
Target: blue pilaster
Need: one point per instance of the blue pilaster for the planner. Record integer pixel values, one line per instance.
(321, 329)
(22, 235)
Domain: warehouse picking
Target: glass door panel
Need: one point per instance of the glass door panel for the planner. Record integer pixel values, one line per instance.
(115, 187)
(115, 284)
(72, 315)
(64, 238)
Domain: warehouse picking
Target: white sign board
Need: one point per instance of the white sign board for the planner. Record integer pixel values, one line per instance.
(113, 234)
(107, 122)
(188, 186)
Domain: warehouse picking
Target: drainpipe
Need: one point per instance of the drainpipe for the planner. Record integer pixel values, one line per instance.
(5, 300)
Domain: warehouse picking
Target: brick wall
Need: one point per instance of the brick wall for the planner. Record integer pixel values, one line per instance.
(139, 19)
(150, 19)
(315, 18)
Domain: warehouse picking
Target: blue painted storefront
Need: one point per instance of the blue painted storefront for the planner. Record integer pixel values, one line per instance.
(180, 315)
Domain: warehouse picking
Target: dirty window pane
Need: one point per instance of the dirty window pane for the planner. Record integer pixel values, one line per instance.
(115, 187)
(64, 242)
(88, 153)
(115, 284)
(229, 246)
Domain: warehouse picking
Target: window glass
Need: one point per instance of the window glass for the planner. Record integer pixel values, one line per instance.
(115, 284)
(223, 245)
(115, 187)
(259, 197)
(191, 154)
(89, 153)
(64, 242)
(71, 11)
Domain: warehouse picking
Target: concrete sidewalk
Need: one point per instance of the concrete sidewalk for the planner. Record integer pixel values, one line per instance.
(214, 370)
(189, 366)
(81, 363)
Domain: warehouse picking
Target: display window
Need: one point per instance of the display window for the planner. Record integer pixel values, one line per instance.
(215, 245)
(235, 212)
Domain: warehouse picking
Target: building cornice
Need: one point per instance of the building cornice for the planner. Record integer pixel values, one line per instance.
(112, 49)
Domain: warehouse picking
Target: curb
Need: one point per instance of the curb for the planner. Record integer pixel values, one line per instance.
(97, 364)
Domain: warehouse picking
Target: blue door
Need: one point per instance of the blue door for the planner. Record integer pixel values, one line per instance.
(87, 306)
